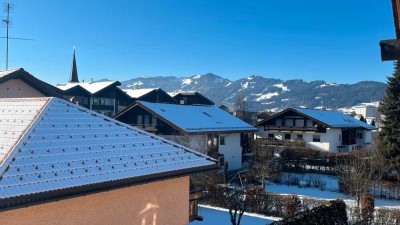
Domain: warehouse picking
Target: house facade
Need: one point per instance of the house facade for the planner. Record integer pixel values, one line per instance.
(192, 98)
(324, 130)
(206, 129)
(65, 164)
(18, 83)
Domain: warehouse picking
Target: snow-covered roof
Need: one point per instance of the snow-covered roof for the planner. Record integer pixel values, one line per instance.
(198, 118)
(50, 145)
(92, 87)
(136, 93)
(334, 118)
(8, 71)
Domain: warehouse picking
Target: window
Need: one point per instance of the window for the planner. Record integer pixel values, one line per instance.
(359, 135)
(271, 136)
(278, 122)
(340, 137)
(299, 123)
(221, 140)
(289, 122)
(316, 138)
(309, 123)
(299, 137)
(288, 136)
(146, 119)
(101, 101)
(221, 160)
(153, 121)
(95, 101)
(139, 120)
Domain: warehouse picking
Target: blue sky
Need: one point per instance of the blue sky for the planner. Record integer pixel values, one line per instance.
(336, 41)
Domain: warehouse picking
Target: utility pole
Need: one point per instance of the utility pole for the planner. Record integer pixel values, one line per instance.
(7, 8)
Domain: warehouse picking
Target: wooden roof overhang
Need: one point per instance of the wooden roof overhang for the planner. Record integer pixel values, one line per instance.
(39, 85)
(390, 49)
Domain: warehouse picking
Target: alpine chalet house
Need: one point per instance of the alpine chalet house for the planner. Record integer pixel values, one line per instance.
(61, 163)
(17, 83)
(320, 129)
(156, 95)
(200, 127)
(192, 98)
(103, 97)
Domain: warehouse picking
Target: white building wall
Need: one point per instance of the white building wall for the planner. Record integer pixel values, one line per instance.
(231, 150)
(329, 141)
(195, 142)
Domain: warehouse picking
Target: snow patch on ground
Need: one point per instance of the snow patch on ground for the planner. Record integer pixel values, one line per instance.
(327, 85)
(267, 103)
(267, 96)
(196, 76)
(245, 85)
(228, 84)
(135, 84)
(186, 81)
(285, 99)
(331, 184)
(281, 86)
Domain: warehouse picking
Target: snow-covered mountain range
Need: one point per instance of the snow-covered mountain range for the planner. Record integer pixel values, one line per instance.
(267, 93)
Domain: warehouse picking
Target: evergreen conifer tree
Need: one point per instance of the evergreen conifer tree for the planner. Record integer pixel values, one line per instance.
(389, 136)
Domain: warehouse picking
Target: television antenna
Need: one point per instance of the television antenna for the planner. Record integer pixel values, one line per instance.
(7, 7)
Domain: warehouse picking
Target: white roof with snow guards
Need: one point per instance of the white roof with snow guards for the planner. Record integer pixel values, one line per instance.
(136, 93)
(51, 147)
(334, 118)
(198, 118)
(92, 87)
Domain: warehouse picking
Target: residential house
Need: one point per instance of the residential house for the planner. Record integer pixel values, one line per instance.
(18, 83)
(320, 129)
(200, 127)
(63, 164)
(103, 97)
(192, 98)
(245, 115)
(156, 95)
(367, 110)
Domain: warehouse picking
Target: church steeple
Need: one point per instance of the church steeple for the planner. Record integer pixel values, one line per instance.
(73, 77)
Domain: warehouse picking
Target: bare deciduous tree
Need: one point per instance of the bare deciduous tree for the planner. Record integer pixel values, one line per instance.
(264, 165)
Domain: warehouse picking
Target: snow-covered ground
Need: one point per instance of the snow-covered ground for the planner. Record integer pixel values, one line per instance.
(220, 216)
(315, 193)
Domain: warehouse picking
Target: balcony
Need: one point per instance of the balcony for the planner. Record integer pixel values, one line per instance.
(145, 127)
(194, 197)
(291, 128)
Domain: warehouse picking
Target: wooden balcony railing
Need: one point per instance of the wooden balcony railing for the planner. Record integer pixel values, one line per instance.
(291, 128)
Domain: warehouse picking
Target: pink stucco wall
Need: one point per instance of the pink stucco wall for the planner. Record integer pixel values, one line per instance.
(16, 88)
(157, 203)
